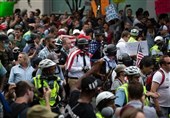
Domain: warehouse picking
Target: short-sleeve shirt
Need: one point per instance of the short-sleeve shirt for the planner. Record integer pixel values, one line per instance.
(164, 88)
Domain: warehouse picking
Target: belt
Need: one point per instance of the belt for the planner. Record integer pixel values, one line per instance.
(73, 77)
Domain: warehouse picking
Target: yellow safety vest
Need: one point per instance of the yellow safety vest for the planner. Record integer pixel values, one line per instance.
(99, 115)
(54, 90)
(155, 51)
(132, 39)
(125, 86)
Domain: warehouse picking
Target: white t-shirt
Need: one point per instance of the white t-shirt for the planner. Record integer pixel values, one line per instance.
(121, 47)
(164, 88)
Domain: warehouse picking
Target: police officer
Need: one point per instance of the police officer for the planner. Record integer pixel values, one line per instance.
(47, 79)
(133, 35)
(105, 104)
(156, 50)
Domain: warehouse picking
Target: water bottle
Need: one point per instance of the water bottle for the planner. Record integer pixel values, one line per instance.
(1, 111)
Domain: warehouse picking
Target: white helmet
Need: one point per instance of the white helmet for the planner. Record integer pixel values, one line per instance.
(134, 32)
(132, 70)
(10, 31)
(158, 38)
(104, 96)
(46, 63)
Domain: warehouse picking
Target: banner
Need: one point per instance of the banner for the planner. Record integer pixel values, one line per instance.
(111, 13)
(104, 4)
(132, 48)
(94, 7)
(162, 6)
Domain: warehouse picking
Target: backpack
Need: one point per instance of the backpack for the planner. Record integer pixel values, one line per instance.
(150, 77)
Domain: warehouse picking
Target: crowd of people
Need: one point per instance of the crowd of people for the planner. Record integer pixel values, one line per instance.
(78, 66)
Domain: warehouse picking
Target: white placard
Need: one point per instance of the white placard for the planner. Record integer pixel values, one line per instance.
(133, 47)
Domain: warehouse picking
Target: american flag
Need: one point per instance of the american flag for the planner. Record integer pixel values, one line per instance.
(139, 55)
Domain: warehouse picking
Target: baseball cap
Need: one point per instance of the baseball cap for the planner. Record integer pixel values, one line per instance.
(3, 26)
(134, 32)
(40, 111)
(83, 36)
(90, 83)
(76, 31)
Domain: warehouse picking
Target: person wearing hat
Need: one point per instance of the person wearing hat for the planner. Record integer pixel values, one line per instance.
(164, 31)
(82, 107)
(156, 49)
(45, 79)
(120, 77)
(105, 104)
(78, 62)
(39, 111)
(132, 73)
(133, 35)
(104, 67)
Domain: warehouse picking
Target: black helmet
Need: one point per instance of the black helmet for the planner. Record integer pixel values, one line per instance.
(82, 43)
(125, 59)
(99, 32)
(111, 50)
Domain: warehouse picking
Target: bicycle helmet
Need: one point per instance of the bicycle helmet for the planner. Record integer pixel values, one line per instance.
(105, 95)
(132, 70)
(46, 63)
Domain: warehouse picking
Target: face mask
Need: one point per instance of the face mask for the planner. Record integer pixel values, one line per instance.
(6, 45)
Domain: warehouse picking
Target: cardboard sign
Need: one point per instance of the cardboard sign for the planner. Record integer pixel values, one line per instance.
(111, 13)
(133, 47)
(162, 6)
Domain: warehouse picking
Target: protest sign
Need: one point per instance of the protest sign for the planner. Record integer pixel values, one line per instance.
(111, 13)
(133, 47)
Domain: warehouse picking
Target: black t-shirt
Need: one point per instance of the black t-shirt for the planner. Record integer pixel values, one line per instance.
(84, 110)
(19, 110)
